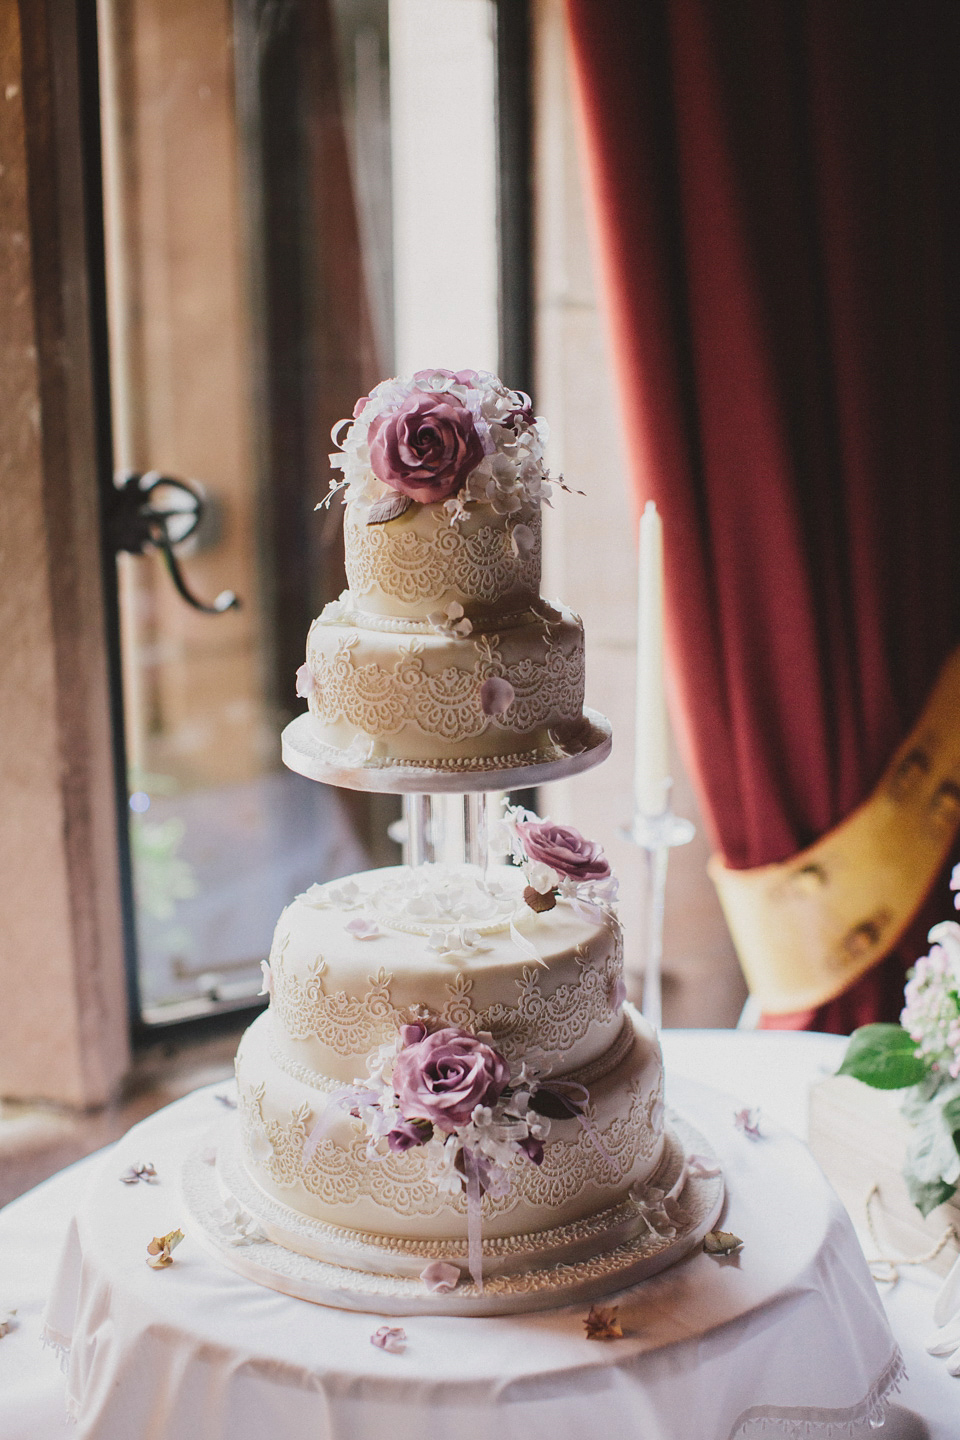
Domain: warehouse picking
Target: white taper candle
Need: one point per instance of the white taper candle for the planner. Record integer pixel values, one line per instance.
(651, 772)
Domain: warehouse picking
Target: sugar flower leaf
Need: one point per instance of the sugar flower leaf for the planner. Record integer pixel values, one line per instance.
(266, 987)
(388, 508)
(603, 1323)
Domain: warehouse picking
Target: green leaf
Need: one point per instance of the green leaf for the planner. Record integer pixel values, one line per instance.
(883, 1056)
(927, 1196)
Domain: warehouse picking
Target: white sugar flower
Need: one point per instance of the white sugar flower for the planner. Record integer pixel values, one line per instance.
(540, 877)
(451, 621)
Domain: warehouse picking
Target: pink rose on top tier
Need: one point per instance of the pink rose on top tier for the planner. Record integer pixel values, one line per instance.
(446, 1075)
(564, 850)
(427, 448)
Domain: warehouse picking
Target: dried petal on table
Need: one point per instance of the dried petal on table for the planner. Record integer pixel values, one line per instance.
(390, 1337)
(603, 1323)
(722, 1243)
(748, 1123)
(139, 1170)
(227, 1100)
(161, 1247)
(8, 1321)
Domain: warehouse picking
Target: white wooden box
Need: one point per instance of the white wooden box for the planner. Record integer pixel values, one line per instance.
(859, 1137)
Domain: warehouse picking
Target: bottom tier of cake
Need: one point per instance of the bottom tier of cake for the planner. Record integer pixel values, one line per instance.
(301, 1146)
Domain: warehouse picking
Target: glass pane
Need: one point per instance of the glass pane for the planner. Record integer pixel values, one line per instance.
(222, 835)
(270, 253)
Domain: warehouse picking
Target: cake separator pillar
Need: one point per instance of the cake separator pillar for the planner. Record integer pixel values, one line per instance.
(445, 829)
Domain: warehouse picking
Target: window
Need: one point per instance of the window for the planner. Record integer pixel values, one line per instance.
(300, 198)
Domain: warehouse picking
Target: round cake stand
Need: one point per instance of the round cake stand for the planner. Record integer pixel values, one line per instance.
(303, 752)
(358, 1285)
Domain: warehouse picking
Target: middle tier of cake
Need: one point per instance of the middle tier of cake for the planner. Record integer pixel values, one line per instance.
(354, 959)
(405, 692)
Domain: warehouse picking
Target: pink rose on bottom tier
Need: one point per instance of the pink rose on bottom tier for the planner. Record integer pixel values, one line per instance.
(445, 1076)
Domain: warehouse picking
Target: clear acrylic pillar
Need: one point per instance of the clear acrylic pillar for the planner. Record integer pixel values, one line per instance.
(446, 829)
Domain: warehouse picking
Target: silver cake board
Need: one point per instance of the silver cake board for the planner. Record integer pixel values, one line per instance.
(207, 1189)
(304, 752)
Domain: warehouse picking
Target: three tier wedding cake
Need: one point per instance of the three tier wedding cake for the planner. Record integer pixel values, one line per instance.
(446, 1091)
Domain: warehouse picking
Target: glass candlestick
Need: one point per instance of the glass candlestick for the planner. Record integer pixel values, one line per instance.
(656, 835)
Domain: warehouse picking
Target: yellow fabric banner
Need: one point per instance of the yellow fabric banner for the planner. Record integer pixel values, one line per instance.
(806, 928)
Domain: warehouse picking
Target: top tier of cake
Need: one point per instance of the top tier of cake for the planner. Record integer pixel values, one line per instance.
(443, 477)
(441, 654)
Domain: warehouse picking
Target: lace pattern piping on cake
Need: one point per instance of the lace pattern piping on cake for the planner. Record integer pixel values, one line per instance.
(379, 701)
(338, 1175)
(414, 568)
(540, 1024)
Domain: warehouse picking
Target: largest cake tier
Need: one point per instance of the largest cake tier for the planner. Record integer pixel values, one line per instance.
(355, 960)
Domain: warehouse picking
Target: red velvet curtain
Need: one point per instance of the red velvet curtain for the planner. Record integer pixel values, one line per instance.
(776, 193)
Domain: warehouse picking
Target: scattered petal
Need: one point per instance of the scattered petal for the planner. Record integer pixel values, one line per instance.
(603, 1323)
(496, 695)
(363, 929)
(229, 1101)
(700, 1168)
(161, 1247)
(748, 1123)
(722, 1243)
(522, 539)
(440, 1277)
(7, 1322)
(618, 993)
(140, 1170)
(390, 1337)
(305, 682)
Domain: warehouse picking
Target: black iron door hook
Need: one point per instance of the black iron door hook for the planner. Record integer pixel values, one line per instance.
(135, 526)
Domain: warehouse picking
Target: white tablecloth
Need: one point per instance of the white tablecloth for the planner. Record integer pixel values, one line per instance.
(546, 1379)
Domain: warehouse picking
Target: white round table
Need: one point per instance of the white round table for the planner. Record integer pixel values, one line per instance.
(531, 1376)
